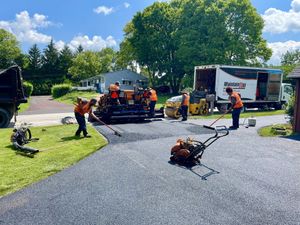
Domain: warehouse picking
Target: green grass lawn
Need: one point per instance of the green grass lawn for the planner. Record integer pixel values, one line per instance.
(162, 98)
(71, 97)
(269, 131)
(58, 147)
(254, 113)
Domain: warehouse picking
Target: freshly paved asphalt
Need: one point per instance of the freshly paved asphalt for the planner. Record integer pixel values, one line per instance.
(245, 179)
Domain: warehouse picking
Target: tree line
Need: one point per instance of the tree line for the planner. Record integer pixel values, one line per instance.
(166, 40)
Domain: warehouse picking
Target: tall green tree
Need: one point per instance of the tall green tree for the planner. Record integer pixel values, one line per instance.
(170, 38)
(107, 58)
(65, 59)
(289, 61)
(10, 51)
(50, 59)
(79, 49)
(151, 37)
(86, 64)
(35, 60)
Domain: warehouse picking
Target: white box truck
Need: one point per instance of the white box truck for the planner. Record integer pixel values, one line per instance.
(258, 87)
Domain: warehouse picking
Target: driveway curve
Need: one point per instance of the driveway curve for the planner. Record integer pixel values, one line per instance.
(46, 105)
(244, 179)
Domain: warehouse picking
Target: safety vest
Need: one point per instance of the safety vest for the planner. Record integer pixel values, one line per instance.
(186, 100)
(238, 104)
(114, 89)
(82, 108)
(153, 96)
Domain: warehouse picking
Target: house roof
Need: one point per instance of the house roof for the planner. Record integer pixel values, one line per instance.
(295, 73)
(118, 75)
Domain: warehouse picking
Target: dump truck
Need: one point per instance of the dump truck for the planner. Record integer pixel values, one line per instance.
(258, 87)
(11, 94)
(133, 105)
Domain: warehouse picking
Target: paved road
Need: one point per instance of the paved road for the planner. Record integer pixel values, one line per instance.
(46, 105)
(131, 182)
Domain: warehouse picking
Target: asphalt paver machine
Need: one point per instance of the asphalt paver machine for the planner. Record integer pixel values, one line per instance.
(132, 105)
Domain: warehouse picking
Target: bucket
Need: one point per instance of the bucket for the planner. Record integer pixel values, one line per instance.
(252, 122)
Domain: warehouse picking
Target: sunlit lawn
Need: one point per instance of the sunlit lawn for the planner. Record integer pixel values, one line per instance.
(58, 147)
(71, 97)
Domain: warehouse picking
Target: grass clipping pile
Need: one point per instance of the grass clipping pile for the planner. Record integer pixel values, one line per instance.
(58, 147)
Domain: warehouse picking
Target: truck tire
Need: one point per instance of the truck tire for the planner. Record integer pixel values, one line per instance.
(5, 118)
(279, 106)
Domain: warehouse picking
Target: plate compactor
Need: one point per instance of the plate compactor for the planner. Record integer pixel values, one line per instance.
(189, 152)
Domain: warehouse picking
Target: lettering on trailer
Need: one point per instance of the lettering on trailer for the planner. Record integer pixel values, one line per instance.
(235, 85)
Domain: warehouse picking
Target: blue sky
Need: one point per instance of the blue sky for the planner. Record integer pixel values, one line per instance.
(96, 24)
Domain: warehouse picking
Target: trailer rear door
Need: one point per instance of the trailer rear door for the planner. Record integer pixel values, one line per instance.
(205, 80)
(274, 87)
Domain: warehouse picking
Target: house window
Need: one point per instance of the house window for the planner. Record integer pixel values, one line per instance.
(126, 82)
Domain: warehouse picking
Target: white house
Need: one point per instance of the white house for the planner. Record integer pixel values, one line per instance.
(128, 80)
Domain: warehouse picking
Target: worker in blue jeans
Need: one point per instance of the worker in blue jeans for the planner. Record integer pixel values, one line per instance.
(82, 107)
(236, 106)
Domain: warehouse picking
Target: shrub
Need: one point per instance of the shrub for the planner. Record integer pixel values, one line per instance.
(59, 90)
(290, 108)
(42, 87)
(28, 88)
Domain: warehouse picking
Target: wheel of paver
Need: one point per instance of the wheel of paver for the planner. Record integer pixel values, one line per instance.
(5, 118)
(27, 135)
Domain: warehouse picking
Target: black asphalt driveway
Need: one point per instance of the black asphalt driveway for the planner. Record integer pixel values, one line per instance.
(245, 179)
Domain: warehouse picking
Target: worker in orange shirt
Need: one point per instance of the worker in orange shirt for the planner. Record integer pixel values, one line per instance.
(114, 91)
(81, 108)
(236, 106)
(153, 99)
(185, 105)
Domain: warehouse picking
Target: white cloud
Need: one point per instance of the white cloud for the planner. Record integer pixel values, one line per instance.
(25, 28)
(278, 21)
(103, 9)
(126, 5)
(280, 48)
(59, 45)
(95, 44)
(295, 5)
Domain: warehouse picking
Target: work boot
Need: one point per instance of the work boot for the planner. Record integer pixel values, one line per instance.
(87, 136)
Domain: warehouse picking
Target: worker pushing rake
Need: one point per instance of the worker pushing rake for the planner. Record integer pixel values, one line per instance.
(190, 152)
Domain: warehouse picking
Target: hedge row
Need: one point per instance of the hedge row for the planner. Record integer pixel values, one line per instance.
(28, 88)
(59, 90)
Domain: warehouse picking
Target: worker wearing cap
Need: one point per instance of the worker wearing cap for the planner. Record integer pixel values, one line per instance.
(81, 108)
(114, 90)
(153, 99)
(185, 105)
(236, 106)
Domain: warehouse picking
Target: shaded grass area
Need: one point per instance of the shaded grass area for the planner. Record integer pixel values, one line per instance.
(162, 98)
(254, 113)
(71, 97)
(58, 147)
(271, 131)
(24, 106)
